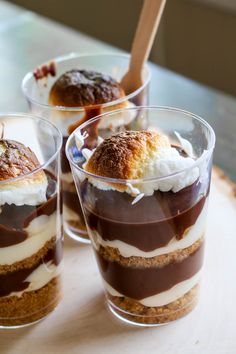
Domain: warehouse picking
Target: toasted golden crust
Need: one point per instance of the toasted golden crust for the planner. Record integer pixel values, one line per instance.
(125, 155)
(16, 159)
(79, 88)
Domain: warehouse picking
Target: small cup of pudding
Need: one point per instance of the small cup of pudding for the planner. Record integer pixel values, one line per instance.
(144, 193)
(30, 219)
(70, 90)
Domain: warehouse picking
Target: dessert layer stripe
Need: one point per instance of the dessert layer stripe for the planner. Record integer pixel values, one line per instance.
(193, 234)
(147, 236)
(14, 221)
(16, 281)
(39, 231)
(166, 297)
(139, 283)
(39, 278)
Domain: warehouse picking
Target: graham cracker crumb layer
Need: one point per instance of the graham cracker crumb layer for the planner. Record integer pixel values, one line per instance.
(136, 312)
(30, 306)
(30, 261)
(113, 254)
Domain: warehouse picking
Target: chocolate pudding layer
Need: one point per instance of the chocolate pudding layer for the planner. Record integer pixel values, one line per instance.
(65, 166)
(17, 281)
(149, 224)
(15, 219)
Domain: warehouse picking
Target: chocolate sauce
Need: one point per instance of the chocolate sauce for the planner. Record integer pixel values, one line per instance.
(65, 165)
(139, 283)
(71, 200)
(9, 237)
(13, 218)
(45, 70)
(47, 208)
(149, 224)
(15, 281)
(92, 129)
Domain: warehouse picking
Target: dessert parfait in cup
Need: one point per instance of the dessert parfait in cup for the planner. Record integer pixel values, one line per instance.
(144, 193)
(30, 219)
(70, 90)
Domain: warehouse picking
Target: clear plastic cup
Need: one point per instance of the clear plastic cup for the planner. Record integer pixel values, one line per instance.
(148, 234)
(30, 219)
(64, 118)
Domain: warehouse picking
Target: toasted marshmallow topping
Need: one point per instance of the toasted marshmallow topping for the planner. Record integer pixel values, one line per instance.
(88, 89)
(79, 88)
(16, 160)
(141, 155)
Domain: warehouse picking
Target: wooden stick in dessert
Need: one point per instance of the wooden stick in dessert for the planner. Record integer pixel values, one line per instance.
(145, 33)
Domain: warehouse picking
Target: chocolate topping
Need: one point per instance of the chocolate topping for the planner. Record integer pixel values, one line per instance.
(139, 283)
(78, 88)
(16, 159)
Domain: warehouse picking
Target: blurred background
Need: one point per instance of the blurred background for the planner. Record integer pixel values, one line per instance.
(196, 38)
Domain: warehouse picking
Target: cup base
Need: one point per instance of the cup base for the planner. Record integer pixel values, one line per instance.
(161, 319)
(32, 319)
(79, 236)
(130, 322)
(26, 324)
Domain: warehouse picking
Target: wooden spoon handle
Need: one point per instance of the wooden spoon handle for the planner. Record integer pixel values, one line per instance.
(145, 33)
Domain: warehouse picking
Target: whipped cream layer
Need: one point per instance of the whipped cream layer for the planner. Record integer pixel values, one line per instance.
(40, 230)
(29, 191)
(193, 234)
(40, 277)
(166, 297)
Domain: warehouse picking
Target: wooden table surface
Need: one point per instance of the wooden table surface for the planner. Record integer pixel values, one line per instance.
(81, 324)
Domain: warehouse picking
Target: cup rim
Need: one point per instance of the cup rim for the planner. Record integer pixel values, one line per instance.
(13, 115)
(205, 155)
(74, 55)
